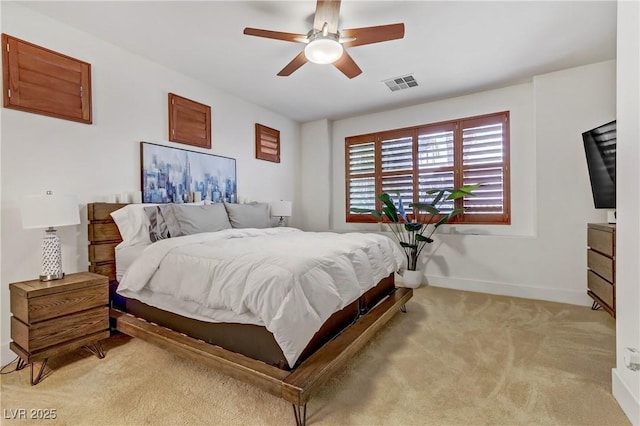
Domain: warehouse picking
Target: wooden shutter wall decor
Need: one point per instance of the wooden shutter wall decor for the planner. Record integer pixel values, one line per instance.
(189, 122)
(267, 143)
(41, 81)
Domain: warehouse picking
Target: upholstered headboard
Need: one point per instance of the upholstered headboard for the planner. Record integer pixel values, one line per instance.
(103, 238)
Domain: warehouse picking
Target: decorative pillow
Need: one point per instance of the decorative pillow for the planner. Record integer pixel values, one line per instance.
(252, 215)
(133, 224)
(158, 229)
(184, 219)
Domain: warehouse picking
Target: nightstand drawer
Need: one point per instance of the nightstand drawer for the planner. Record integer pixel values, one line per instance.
(601, 241)
(42, 308)
(600, 287)
(600, 264)
(59, 330)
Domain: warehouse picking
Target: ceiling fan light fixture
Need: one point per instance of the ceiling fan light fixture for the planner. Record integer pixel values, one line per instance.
(324, 44)
(323, 50)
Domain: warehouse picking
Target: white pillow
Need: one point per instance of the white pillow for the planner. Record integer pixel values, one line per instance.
(133, 224)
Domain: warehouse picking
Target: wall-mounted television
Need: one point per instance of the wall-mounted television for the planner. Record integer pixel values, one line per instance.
(600, 148)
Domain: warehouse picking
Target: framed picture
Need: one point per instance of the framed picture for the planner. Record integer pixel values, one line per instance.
(173, 175)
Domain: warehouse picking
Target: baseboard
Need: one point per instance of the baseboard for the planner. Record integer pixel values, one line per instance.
(573, 297)
(627, 401)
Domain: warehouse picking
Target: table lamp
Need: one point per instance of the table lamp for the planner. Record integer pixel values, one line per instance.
(282, 209)
(49, 211)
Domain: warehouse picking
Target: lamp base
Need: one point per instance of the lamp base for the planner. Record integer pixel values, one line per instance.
(51, 257)
(51, 277)
(281, 222)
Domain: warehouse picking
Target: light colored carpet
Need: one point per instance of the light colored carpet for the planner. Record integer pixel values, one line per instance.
(456, 358)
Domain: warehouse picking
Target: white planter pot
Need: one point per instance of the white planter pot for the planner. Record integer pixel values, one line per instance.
(412, 279)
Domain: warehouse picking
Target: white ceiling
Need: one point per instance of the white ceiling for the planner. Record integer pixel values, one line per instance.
(452, 48)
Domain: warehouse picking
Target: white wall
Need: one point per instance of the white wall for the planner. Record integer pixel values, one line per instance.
(93, 161)
(626, 383)
(542, 254)
(315, 182)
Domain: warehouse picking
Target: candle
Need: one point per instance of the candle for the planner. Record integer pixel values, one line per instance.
(136, 197)
(123, 197)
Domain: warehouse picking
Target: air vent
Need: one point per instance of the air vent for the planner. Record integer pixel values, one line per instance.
(399, 83)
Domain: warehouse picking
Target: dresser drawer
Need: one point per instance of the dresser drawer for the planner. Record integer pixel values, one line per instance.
(59, 330)
(601, 241)
(601, 265)
(601, 288)
(55, 305)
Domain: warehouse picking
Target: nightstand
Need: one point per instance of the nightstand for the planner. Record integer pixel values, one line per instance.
(53, 317)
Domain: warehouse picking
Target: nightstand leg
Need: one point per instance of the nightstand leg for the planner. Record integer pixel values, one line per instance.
(21, 364)
(39, 377)
(96, 349)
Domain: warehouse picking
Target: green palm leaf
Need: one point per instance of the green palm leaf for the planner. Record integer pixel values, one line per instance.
(425, 207)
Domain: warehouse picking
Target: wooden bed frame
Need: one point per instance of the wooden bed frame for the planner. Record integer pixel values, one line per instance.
(296, 386)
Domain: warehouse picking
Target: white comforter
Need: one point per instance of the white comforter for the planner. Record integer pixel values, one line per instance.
(282, 278)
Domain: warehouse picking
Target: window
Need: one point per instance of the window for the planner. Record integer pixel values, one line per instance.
(443, 155)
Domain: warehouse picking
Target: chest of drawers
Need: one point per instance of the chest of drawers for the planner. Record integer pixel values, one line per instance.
(601, 264)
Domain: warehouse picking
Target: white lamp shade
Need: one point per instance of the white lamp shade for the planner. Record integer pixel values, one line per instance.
(281, 208)
(43, 211)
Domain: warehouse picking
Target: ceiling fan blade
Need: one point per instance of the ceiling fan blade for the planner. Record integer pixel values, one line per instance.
(296, 38)
(297, 62)
(368, 35)
(327, 11)
(347, 65)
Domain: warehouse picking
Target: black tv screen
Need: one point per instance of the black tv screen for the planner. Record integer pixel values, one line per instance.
(600, 147)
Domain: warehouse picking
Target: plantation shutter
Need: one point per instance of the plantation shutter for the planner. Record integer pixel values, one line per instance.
(361, 180)
(411, 161)
(42, 81)
(397, 166)
(436, 161)
(189, 121)
(267, 143)
(485, 161)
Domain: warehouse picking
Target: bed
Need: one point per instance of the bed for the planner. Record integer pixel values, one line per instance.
(245, 351)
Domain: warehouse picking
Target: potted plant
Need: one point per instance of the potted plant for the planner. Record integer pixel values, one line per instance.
(413, 232)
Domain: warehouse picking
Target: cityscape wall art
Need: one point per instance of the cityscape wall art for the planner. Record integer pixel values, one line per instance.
(173, 175)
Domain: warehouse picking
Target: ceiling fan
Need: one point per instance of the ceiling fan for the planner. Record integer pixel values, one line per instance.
(325, 44)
